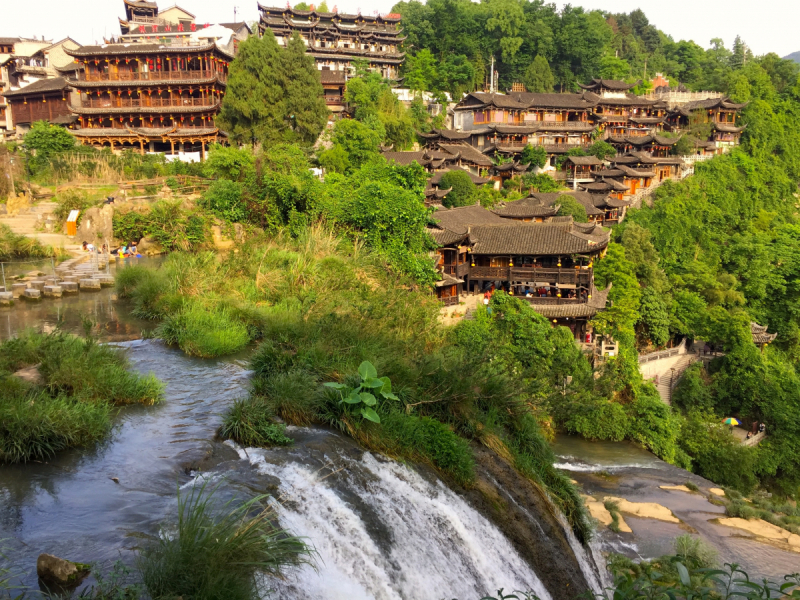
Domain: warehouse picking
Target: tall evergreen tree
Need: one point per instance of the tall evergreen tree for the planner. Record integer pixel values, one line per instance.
(254, 105)
(307, 113)
(538, 78)
(274, 95)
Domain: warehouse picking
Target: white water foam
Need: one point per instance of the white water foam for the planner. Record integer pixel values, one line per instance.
(594, 468)
(432, 544)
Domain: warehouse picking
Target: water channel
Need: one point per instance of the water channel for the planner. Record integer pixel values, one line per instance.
(381, 529)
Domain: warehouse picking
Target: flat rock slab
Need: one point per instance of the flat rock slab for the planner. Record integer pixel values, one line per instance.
(603, 516)
(676, 488)
(6, 298)
(32, 294)
(69, 286)
(52, 291)
(38, 284)
(648, 510)
(765, 530)
(89, 284)
(105, 280)
(31, 375)
(717, 491)
(17, 289)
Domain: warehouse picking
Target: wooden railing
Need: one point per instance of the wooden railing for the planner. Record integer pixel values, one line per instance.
(456, 270)
(555, 276)
(334, 99)
(146, 102)
(550, 301)
(151, 76)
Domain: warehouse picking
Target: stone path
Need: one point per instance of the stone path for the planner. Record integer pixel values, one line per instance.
(80, 274)
(40, 215)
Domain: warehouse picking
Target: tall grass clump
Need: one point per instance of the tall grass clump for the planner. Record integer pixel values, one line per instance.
(16, 246)
(71, 405)
(216, 553)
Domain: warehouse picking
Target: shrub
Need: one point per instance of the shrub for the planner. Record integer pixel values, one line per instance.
(217, 554)
(571, 207)
(463, 192)
(13, 245)
(69, 200)
(224, 199)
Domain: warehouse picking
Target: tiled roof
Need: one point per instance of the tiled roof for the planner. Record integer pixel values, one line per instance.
(468, 154)
(533, 100)
(536, 239)
(578, 309)
(42, 86)
(529, 207)
(610, 84)
(604, 185)
(141, 48)
(584, 160)
(459, 220)
(760, 335)
(587, 200)
(728, 128)
(406, 158)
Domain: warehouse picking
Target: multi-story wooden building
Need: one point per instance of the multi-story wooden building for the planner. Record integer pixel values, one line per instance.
(336, 40)
(31, 64)
(158, 89)
(550, 264)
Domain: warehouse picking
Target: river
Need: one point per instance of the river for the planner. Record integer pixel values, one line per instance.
(381, 529)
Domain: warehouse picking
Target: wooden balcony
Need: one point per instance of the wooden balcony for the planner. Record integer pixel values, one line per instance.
(571, 276)
(550, 301)
(457, 270)
(152, 76)
(146, 102)
(334, 99)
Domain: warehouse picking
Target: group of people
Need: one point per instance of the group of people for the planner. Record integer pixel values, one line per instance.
(125, 250)
(757, 428)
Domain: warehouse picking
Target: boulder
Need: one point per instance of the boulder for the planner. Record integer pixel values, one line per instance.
(148, 247)
(97, 225)
(57, 571)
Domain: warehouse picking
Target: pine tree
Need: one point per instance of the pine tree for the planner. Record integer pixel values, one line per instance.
(253, 108)
(538, 78)
(306, 111)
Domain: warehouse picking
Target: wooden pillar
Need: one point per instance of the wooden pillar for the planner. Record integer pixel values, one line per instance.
(172, 145)
(202, 151)
(141, 144)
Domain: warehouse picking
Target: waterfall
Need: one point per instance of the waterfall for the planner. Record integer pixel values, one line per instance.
(383, 531)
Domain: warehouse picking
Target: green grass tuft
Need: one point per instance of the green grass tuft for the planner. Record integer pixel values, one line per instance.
(249, 424)
(216, 553)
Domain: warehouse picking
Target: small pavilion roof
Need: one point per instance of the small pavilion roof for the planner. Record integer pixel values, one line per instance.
(609, 84)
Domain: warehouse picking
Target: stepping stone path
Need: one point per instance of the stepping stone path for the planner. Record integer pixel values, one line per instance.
(82, 273)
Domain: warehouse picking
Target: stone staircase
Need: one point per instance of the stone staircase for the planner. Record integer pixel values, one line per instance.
(666, 382)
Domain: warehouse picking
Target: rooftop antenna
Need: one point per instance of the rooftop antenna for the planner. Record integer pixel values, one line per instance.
(235, 10)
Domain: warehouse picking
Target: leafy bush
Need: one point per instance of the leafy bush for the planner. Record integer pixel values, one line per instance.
(573, 208)
(69, 200)
(167, 223)
(463, 190)
(224, 199)
(360, 398)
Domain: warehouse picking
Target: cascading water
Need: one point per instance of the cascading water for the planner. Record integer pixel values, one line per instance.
(383, 531)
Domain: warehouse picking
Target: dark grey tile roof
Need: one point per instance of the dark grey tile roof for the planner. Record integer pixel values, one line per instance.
(42, 86)
(584, 160)
(437, 177)
(533, 100)
(468, 154)
(536, 239)
(610, 84)
(459, 220)
(529, 207)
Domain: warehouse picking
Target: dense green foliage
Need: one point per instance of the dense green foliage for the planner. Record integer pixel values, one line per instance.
(80, 383)
(166, 222)
(571, 207)
(274, 94)
(544, 46)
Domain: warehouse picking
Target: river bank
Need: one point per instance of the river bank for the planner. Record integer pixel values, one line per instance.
(623, 470)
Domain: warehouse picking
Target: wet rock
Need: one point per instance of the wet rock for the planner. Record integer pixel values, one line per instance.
(59, 572)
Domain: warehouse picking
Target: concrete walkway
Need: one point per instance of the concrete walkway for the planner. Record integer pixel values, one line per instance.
(37, 216)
